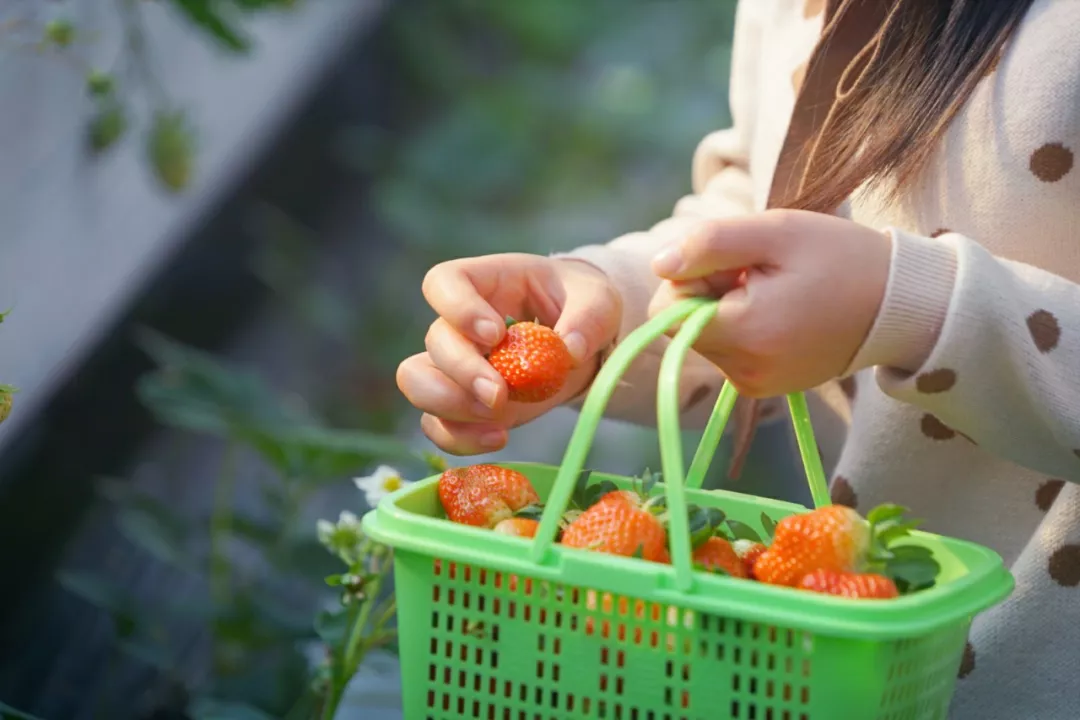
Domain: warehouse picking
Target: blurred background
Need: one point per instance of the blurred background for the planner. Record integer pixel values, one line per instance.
(216, 217)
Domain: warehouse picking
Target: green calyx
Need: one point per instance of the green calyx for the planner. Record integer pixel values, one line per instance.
(911, 567)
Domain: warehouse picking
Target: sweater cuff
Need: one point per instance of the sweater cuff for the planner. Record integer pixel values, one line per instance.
(917, 298)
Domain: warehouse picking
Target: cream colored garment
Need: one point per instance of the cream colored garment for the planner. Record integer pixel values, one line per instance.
(984, 441)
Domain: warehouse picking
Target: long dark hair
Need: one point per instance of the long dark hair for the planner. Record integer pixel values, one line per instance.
(931, 56)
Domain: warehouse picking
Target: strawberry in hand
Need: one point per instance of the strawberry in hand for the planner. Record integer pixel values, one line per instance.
(533, 360)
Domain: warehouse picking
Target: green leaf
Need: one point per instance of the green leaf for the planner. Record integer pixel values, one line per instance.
(9, 713)
(639, 552)
(532, 512)
(885, 512)
(742, 531)
(155, 537)
(710, 570)
(768, 525)
(703, 523)
(586, 495)
(912, 568)
(106, 127)
(194, 391)
(204, 13)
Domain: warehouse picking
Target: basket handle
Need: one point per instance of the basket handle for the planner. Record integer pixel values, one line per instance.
(699, 311)
(592, 412)
(671, 455)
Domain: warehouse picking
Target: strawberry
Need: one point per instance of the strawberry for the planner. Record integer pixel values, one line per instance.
(868, 586)
(620, 524)
(829, 538)
(749, 552)
(533, 360)
(484, 495)
(517, 527)
(717, 554)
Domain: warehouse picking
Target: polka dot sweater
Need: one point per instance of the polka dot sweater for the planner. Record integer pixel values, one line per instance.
(984, 440)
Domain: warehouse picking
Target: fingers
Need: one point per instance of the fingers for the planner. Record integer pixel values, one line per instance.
(724, 245)
(462, 362)
(591, 314)
(463, 438)
(429, 389)
(459, 291)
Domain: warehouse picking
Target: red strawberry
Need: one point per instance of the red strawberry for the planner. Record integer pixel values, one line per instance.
(518, 527)
(829, 538)
(749, 552)
(484, 495)
(868, 586)
(716, 553)
(619, 524)
(533, 360)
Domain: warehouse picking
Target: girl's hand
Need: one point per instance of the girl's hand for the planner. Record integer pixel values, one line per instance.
(464, 399)
(798, 315)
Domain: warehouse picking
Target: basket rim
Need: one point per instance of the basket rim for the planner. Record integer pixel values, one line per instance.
(987, 582)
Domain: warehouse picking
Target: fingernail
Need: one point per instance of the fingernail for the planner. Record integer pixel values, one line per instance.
(487, 331)
(492, 440)
(575, 343)
(486, 391)
(668, 262)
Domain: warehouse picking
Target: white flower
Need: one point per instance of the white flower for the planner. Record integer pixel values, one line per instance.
(343, 537)
(381, 483)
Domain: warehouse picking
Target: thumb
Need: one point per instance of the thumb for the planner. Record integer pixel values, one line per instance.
(719, 246)
(591, 313)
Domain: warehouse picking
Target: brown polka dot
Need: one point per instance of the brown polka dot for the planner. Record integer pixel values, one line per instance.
(842, 493)
(1047, 493)
(700, 393)
(1044, 329)
(849, 386)
(813, 8)
(1051, 162)
(1065, 566)
(939, 232)
(936, 381)
(935, 429)
(797, 77)
(967, 663)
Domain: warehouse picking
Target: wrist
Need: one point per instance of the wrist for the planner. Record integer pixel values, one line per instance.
(917, 296)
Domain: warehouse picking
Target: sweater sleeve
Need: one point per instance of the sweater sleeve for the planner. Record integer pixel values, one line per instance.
(989, 348)
(722, 187)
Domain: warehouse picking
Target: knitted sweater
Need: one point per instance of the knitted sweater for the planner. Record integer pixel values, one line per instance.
(984, 440)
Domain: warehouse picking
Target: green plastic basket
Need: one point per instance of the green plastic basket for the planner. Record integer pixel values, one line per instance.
(503, 628)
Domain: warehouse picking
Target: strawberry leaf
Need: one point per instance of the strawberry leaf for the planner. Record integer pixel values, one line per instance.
(649, 480)
(885, 512)
(742, 531)
(768, 525)
(532, 512)
(703, 523)
(639, 552)
(912, 568)
(509, 321)
(586, 495)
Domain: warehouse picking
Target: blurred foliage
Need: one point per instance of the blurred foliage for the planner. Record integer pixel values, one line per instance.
(170, 142)
(532, 125)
